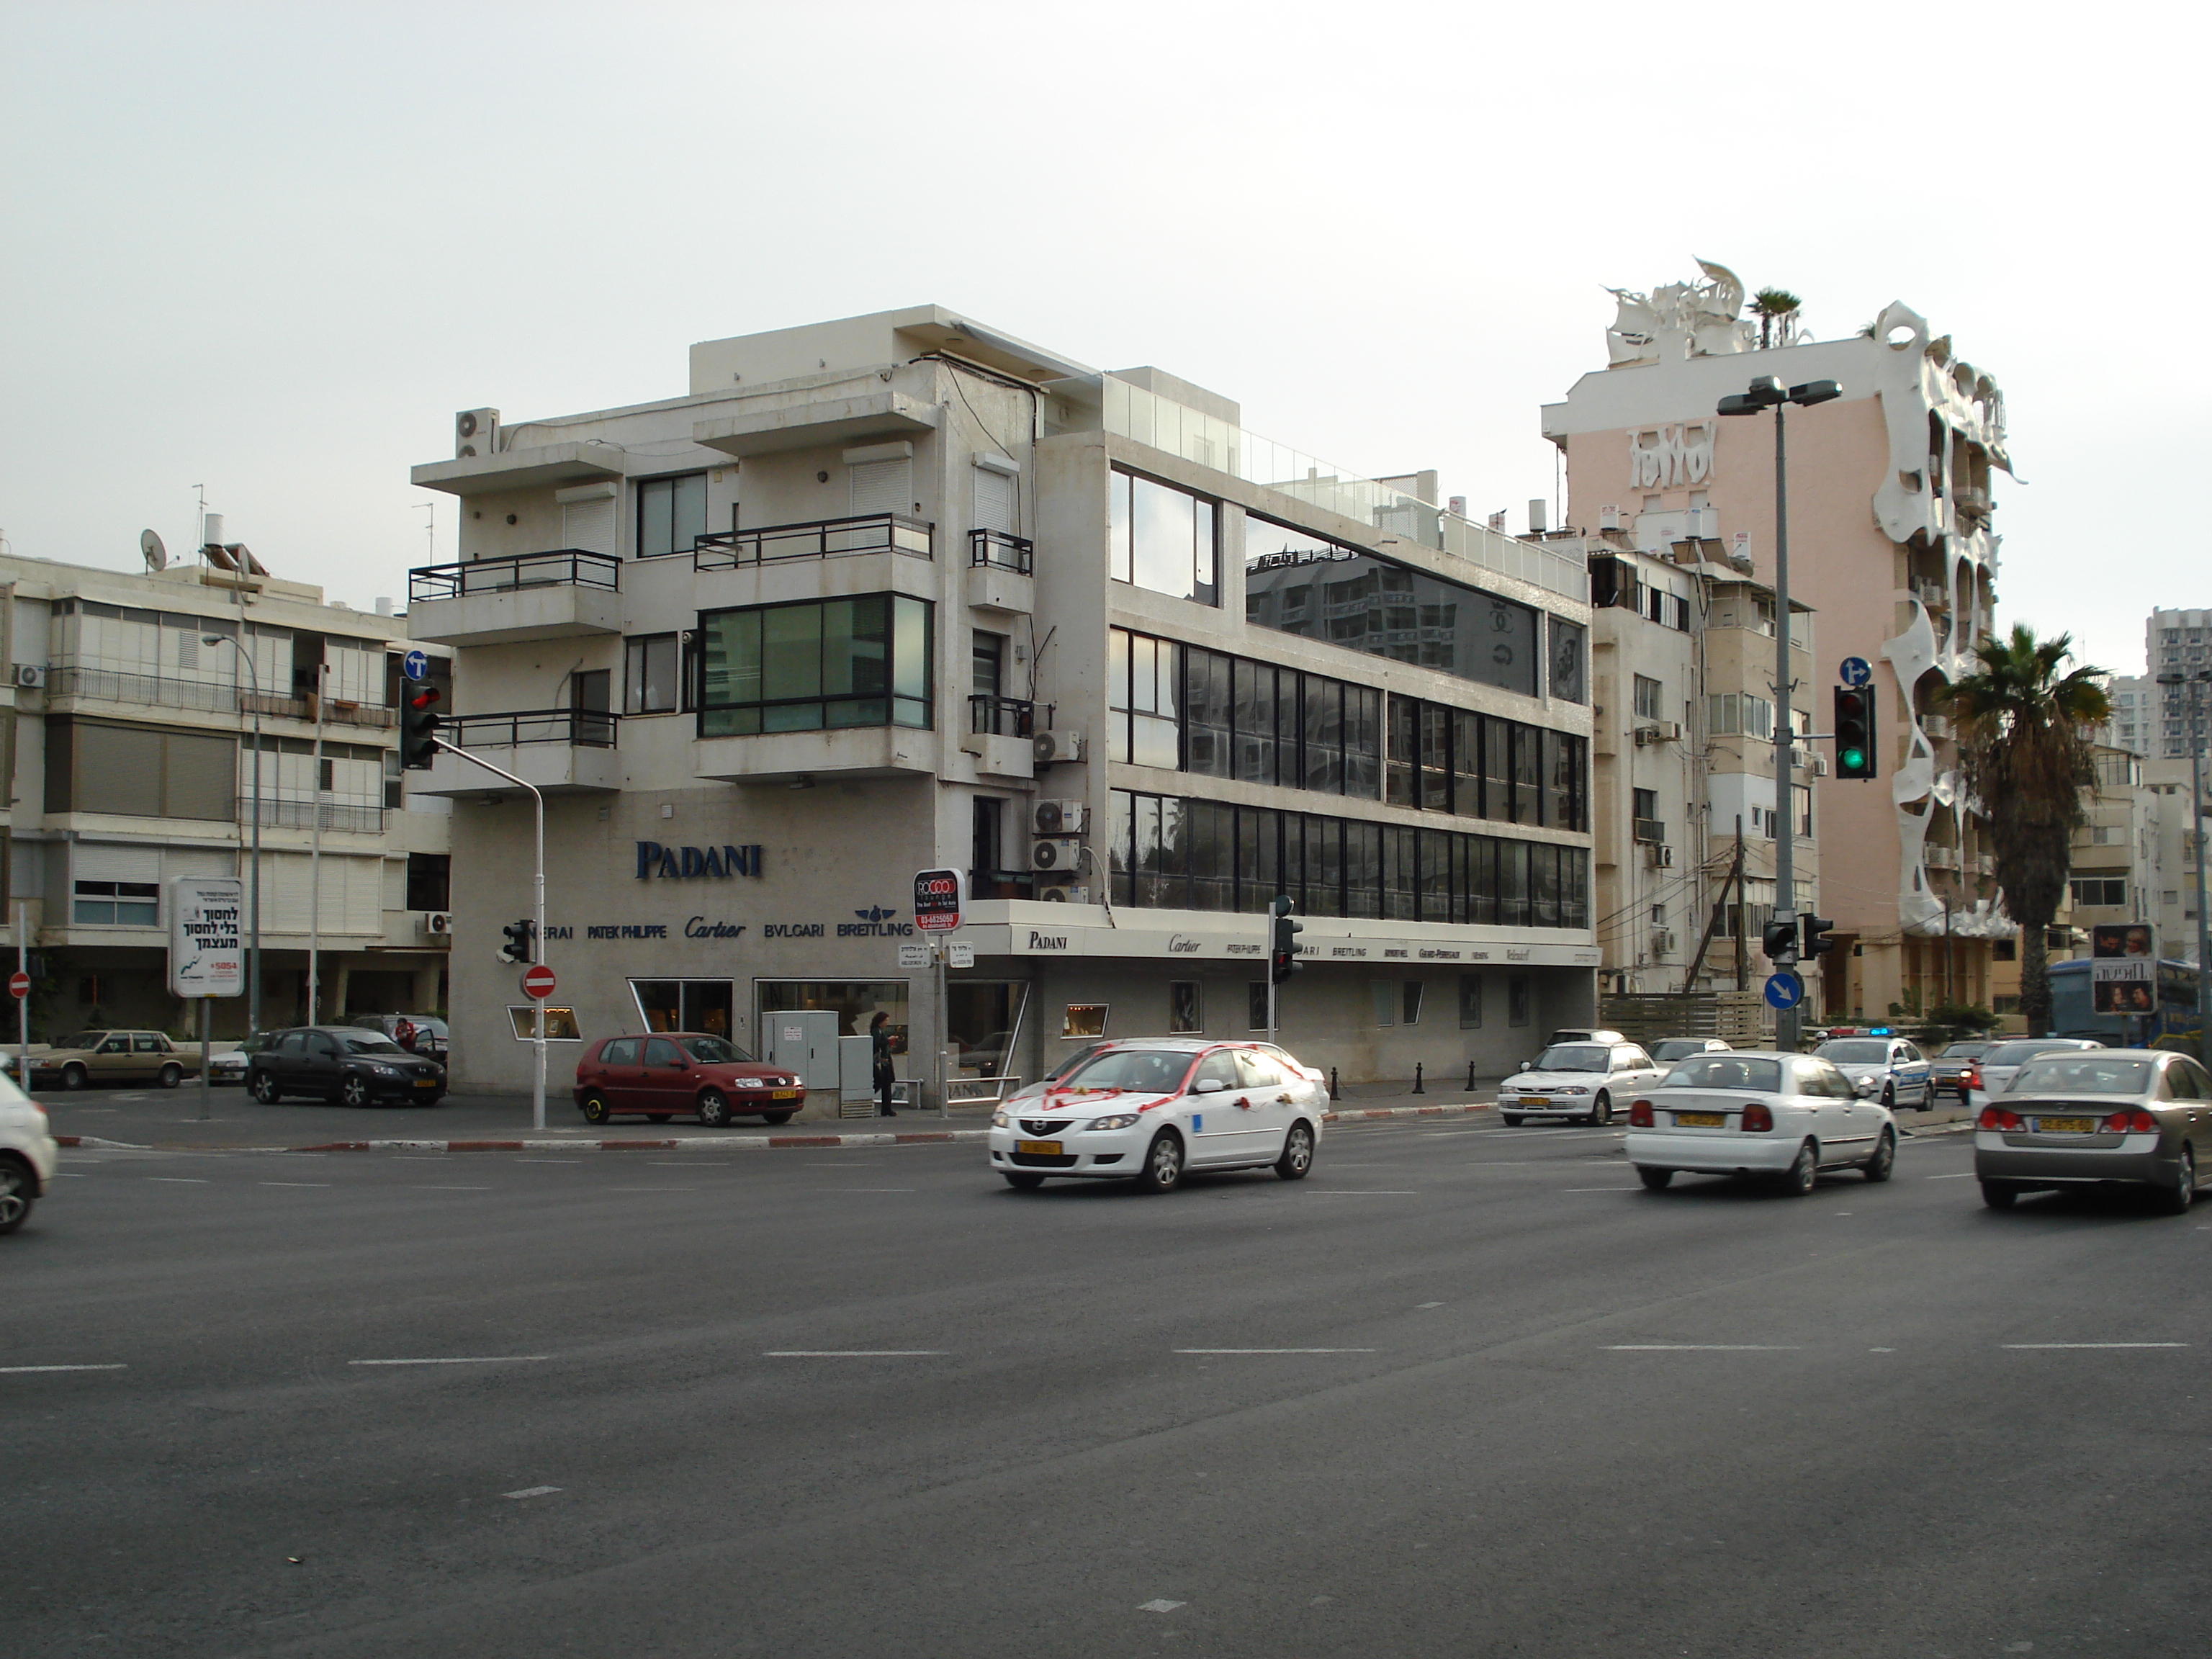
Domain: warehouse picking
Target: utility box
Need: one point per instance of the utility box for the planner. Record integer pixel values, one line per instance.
(806, 1042)
(856, 1068)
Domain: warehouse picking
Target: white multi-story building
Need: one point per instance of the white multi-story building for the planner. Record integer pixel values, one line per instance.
(2176, 642)
(129, 740)
(899, 592)
(2133, 725)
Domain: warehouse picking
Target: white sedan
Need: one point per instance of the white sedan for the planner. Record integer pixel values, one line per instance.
(1783, 1117)
(1149, 1110)
(1586, 1080)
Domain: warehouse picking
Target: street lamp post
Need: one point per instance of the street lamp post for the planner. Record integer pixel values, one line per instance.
(253, 909)
(2196, 683)
(1768, 392)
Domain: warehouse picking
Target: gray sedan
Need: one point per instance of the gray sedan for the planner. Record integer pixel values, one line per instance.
(2134, 1116)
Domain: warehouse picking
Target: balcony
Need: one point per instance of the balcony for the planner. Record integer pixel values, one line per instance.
(815, 539)
(345, 817)
(999, 572)
(561, 751)
(564, 594)
(1000, 735)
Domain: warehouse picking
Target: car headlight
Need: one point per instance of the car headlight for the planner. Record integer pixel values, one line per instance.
(749, 1083)
(998, 1119)
(1119, 1120)
(384, 1071)
(1570, 1091)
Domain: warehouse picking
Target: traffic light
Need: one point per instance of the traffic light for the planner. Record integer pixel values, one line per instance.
(1282, 956)
(1855, 732)
(521, 941)
(1780, 942)
(418, 725)
(1814, 942)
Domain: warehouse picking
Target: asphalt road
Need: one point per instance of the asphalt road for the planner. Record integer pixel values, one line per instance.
(1467, 1390)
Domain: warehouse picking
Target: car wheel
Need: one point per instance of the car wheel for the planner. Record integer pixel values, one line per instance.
(776, 1117)
(1297, 1153)
(265, 1090)
(1804, 1173)
(75, 1077)
(1656, 1180)
(353, 1091)
(1025, 1181)
(172, 1075)
(1601, 1108)
(594, 1107)
(2183, 1194)
(1878, 1167)
(16, 1199)
(1511, 1120)
(660, 1117)
(1162, 1170)
(713, 1109)
(1999, 1194)
(1889, 1097)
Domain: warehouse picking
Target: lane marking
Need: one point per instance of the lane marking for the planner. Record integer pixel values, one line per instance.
(1274, 1351)
(531, 1491)
(1431, 1304)
(294, 1183)
(1703, 1347)
(478, 1359)
(419, 1188)
(1162, 1605)
(854, 1353)
(23, 1370)
(2022, 1345)
(573, 1163)
(1363, 1192)
(1964, 1175)
(1597, 1189)
(183, 1181)
(863, 1189)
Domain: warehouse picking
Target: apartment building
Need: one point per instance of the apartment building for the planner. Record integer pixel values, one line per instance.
(1892, 542)
(132, 744)
(2176, 643)
(902, 591)
(2133, 725)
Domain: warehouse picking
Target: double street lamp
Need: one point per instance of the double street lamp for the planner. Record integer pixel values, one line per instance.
(2174, 679)
(1768, 392)
(253, 911)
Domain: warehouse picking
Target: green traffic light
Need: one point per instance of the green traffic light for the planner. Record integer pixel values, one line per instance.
(1853, 759)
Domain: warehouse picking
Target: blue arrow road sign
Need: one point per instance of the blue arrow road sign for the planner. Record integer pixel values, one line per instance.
(415, 664)
(1857, 671)
(1784, 990)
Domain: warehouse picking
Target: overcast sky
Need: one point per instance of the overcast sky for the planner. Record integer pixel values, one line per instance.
(273, 248)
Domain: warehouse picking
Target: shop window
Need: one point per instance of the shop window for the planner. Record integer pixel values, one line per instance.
(1470, 1002)
(1186, 1008)
(683, 1005)
(983, 1022)
(818, 664)
(856, 1002)
(1083, 1019)
(1517, 1000)
(559, 1024)
(671, 513)
(1410, 1006)
(1255, 1014)
(1383, 993)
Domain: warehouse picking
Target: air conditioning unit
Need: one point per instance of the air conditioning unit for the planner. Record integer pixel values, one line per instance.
(28, 677)
(476, 432)
(1934, 595)
(1658, 732)
(1064, 745)
(1936, 725)
(1066, 896)
(1820, 766)
(1053, 853)
(439, 922)
(1658, 855)
(1662, 941)
(1060, 817)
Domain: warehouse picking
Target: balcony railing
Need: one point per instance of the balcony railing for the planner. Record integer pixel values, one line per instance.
(817, 539)
(303, 814)
(568, 566)
(580, 728)
(999, 550)
(213, 696)
(1000, 717)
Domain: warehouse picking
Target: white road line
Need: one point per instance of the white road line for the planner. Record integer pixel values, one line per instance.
(20, 1371)
(1702, 1347)
(531, 1491)
(420, 1188)
(479, 1359)
(2094, 1345)
(1431, 1304)
(653, 1189)
(187, 1181)
(1274, 1351)
(852, 1353)
(1597, 1189)
(573, 1163)
(1162, 1605)
(1964, 1175)
(294, 1183)
(863, 1189)
(78, 1175)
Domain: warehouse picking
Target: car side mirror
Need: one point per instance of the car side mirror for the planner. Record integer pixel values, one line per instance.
(1208, 1086)
(1866, 1088)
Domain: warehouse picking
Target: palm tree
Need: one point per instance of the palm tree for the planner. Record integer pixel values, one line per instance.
(2024, 750)
(1770, 306)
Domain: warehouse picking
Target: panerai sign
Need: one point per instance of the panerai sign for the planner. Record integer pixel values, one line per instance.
(682, 863)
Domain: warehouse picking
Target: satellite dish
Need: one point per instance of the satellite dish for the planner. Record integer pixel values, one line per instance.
(157, 556)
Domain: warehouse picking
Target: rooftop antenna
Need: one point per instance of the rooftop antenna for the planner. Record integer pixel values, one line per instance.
(430, 529)
(156, 556)
(202, 489)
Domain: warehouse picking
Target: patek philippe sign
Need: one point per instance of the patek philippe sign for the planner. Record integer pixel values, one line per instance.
(655, 862)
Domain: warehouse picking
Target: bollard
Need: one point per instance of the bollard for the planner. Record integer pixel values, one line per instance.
(1417, 1078)
(1333, 1094)
(1470, 1077)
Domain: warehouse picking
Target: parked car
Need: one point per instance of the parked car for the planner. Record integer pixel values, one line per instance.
(342, 1063)
(1958, 1069)
(86, 1058)
(27, 1155)
(228, 1062)
(1899, 1071)
(2002, 1062)
(1149, 1109)
(681, 1073)
(2073, 1117)
(419, 1034)
(1577, 1079)
(1667, 1050)
(1785, 1117)
(1579, 1035)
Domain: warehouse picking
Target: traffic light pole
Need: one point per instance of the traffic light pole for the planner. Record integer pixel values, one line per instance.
(1787, 1021)
(538, 915)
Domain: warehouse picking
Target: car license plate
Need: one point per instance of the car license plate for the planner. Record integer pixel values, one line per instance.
(2066, 1126)
(783, 1094)
(426, 1083)
(1700, 1119)
(1038, 1148)
(1535, 1100)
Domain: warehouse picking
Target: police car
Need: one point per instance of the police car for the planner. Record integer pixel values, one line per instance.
(1900, 1072)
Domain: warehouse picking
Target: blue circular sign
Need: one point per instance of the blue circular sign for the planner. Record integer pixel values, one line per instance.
(415, 664)
(1857, 671)
(1784, 990)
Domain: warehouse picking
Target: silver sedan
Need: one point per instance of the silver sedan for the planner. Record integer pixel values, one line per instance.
(2134, 1116)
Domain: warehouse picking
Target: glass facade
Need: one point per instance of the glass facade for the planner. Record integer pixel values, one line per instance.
(820, 664)
(1163, 538)
(1169, 851)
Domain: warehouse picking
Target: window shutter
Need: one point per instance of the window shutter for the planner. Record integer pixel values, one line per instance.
(118, 769)
(589, 525)
(996, 502)
(883, 487)
(98, 862)
(204, 861)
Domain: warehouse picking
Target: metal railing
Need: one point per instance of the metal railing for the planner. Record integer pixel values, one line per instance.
(816, 538)
(580, 728)
(303, 815)
(992, 716)
(567, 566)
(160, 690)
(1000, 551)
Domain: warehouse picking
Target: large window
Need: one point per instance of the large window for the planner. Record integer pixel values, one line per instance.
(820, 664)
(1324, 590)
(1451, 760)
(1170, 853)
(2100, 892)
(1740, 714)
(651, 680)
(1163, 538)
(672, 513)
(94, 766)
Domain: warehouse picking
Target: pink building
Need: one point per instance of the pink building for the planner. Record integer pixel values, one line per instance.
(1891, 542)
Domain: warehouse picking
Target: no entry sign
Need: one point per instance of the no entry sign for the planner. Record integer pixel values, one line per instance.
(18, 984)
(538, 982)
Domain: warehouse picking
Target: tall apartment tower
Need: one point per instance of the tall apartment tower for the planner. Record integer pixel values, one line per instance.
(2176, 642)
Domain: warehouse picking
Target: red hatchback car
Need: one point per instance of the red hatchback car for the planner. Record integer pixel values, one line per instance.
(680, 1074)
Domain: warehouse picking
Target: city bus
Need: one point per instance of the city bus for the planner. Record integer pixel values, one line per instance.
(2072, 1014)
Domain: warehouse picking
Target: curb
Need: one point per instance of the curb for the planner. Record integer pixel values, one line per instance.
(1365, 1114)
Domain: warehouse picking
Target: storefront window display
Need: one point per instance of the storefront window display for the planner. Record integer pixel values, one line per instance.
(983, 1020)
(856, 1002)
(559, 1024)
(683, 1005)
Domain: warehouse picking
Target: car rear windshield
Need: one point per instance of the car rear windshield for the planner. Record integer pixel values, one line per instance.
(1854, 1051)
(1965, 1051)
(713, 1051)
(2083, 1074)
(371, 1042)
(1679, 1047)
(1145, 1071)
(1575, 1057)
(2013, 1054)
(1726, 1072)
